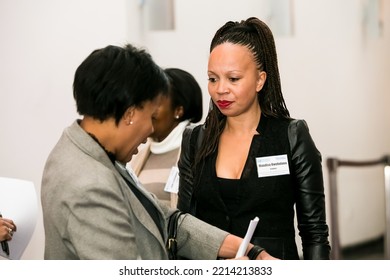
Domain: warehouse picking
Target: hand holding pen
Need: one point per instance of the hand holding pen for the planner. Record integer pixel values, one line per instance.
(7, 229)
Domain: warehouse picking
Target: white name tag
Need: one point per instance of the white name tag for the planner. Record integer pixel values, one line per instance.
(172, 184)
(272, 166)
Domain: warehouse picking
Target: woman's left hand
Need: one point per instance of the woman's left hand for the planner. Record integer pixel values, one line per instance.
(7, 229)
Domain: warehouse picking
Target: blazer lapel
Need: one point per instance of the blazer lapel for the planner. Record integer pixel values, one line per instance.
(138, 208)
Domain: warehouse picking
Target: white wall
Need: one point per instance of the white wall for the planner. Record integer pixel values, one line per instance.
(332, 75)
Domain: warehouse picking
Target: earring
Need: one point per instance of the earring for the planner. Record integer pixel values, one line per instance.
(129, 122)
(177, 117)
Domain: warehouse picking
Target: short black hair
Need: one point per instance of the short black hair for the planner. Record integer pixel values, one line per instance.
(112, 79)
(185, 91)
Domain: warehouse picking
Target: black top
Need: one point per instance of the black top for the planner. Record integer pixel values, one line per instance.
(229, 190)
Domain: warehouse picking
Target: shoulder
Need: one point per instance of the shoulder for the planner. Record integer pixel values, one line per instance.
(298, 124)
(275, 127)
(190, 142)
(300, 138)
(191, 131)
(298, 127)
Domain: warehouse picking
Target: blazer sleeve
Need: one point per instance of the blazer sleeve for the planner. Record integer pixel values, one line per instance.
(198, 240)
(98, 226)
(310, 205)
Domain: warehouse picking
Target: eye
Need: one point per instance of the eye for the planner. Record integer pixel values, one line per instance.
(212, 80)
(234, 79)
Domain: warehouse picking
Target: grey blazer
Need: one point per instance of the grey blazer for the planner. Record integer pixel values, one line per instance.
(90, 212)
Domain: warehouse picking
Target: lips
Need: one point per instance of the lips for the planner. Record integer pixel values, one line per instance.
(224, 103)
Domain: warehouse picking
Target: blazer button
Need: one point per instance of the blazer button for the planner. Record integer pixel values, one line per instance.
(227, 219)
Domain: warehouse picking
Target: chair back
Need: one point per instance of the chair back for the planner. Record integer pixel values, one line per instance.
(333, 165)
(18, 202)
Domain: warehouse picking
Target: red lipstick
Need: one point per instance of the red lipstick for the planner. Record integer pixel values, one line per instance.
(222, 104)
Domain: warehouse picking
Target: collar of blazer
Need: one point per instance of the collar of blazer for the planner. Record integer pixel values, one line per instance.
(138, 209)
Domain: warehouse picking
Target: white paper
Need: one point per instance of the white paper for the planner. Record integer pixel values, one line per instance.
(172, 184)
(248, 236)
(18, 202)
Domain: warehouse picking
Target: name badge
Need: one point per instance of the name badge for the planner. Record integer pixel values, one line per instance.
(272, 166)
(172, 184)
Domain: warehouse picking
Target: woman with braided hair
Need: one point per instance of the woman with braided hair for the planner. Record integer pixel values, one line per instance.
(250, 158)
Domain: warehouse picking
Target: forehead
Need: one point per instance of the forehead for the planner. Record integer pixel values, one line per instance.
(229, 54)
(165, 101)
(151, 104)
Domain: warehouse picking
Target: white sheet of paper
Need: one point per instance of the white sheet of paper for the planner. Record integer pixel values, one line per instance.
(18, 202)
(172, 184)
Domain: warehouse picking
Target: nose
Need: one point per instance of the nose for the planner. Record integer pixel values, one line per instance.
(221, 87)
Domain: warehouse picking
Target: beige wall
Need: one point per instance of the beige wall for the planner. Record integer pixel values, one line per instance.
(333, 75)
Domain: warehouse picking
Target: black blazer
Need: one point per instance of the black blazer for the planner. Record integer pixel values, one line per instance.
(271, 198)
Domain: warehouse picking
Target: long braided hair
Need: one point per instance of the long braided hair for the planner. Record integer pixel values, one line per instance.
(257, 37)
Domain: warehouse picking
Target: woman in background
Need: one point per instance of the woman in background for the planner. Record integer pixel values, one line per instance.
(181, 107)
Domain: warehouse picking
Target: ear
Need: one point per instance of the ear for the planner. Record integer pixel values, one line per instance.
(128, 115)
(262, 77)
(179, 112)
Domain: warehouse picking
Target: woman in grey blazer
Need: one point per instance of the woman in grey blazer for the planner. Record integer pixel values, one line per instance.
(93, 208)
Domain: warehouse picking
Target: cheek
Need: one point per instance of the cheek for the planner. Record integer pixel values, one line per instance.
(211, 90)
(158, 120)
(147, 129)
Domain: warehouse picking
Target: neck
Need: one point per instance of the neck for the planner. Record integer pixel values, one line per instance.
(102, 132)
(244, 123)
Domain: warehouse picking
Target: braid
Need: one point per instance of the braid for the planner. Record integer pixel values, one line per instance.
(215, 122)
(217, 39)
(271, 98)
